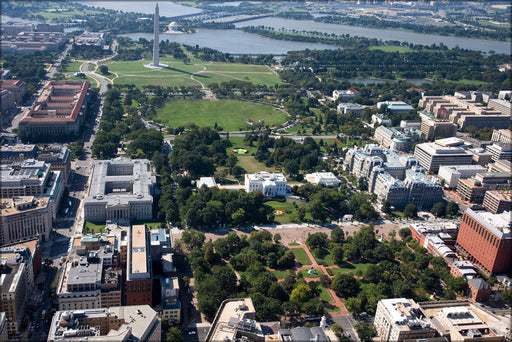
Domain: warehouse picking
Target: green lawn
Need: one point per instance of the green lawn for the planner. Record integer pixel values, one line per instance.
(93, 228)
(325, 258)
(350, 268)
(391, 48)
(294, 244)
(231, 115)
(251, 165)
(152, 224)
(289, 210)
(239, 142)
(324, 295)
(305, 273)
(332, 309)
(282, 274)
(301, 256)
(469, 82)
(71, 66)
(197, 73)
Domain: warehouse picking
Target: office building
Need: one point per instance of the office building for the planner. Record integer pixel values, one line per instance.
(4, 335)
(24, 218)
(320, 334)
(235, 320)
(90, 39)
(465, 109)
(505, 107)
(500, 151)
(34, 248)
(485, 239)
(434, 128)
(473, 189)
(17, 88)
(120, 188)
(90, 278)
(29, 41)
(18, 152)
(461, 320)
(32, 178)
(398, 139)
(16, 284)
(501, 165)
(59, 158)
(400, 319)
(480, 156)
(433, 155)
(395, 107)
(139, 282)
(502, 135)
(59, 111)
(380, 119)
(327, 179)
(498, 201)
(270, 184)
(120, 323)
(452, 174)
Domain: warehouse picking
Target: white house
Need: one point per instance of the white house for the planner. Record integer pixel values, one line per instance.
(270, 184)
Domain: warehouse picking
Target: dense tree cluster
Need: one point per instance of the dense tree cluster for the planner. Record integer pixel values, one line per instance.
(216, 281)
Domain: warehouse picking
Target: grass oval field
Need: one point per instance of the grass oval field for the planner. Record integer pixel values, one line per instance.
(231, 115)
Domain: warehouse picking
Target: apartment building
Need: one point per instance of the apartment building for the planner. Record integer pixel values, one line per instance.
(116, 324)
(24, 218)
(486, 240)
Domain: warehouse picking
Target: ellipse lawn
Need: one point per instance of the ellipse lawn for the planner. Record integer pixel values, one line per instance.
(231, 115)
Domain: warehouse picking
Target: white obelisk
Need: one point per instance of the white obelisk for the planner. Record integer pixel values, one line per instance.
(156, 39)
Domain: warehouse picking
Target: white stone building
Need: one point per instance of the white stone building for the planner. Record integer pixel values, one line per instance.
(270, 184)
(323, 178)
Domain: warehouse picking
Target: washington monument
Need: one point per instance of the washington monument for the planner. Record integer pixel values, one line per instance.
(156, 39)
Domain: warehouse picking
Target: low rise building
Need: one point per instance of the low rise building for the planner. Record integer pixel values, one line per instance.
(16, 284)
(18, 153)
(459, 320)
(380, 119)
(29, 41)
(327, 179)
(345, 95)
(479, 290)
(347, 108)
(209, 182)
(93, 39)
(270, 184)
(486, 240)
(59, 110)
(395, 107)
(120, 323)
(452, 173)
(473, 189)
(24, 218)
(433, 155)
(498, 201)
(120, 188)
(17, 88)
(400, 319)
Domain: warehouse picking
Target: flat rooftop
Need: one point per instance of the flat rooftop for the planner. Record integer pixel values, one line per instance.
(138, 251)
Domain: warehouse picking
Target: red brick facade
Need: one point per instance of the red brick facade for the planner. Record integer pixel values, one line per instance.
(139, 292)
(484, 245)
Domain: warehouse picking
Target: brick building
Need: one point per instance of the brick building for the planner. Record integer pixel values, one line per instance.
(139, 282)
(486, 240)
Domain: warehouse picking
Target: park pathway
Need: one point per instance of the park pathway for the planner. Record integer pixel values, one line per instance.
(314, 264)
